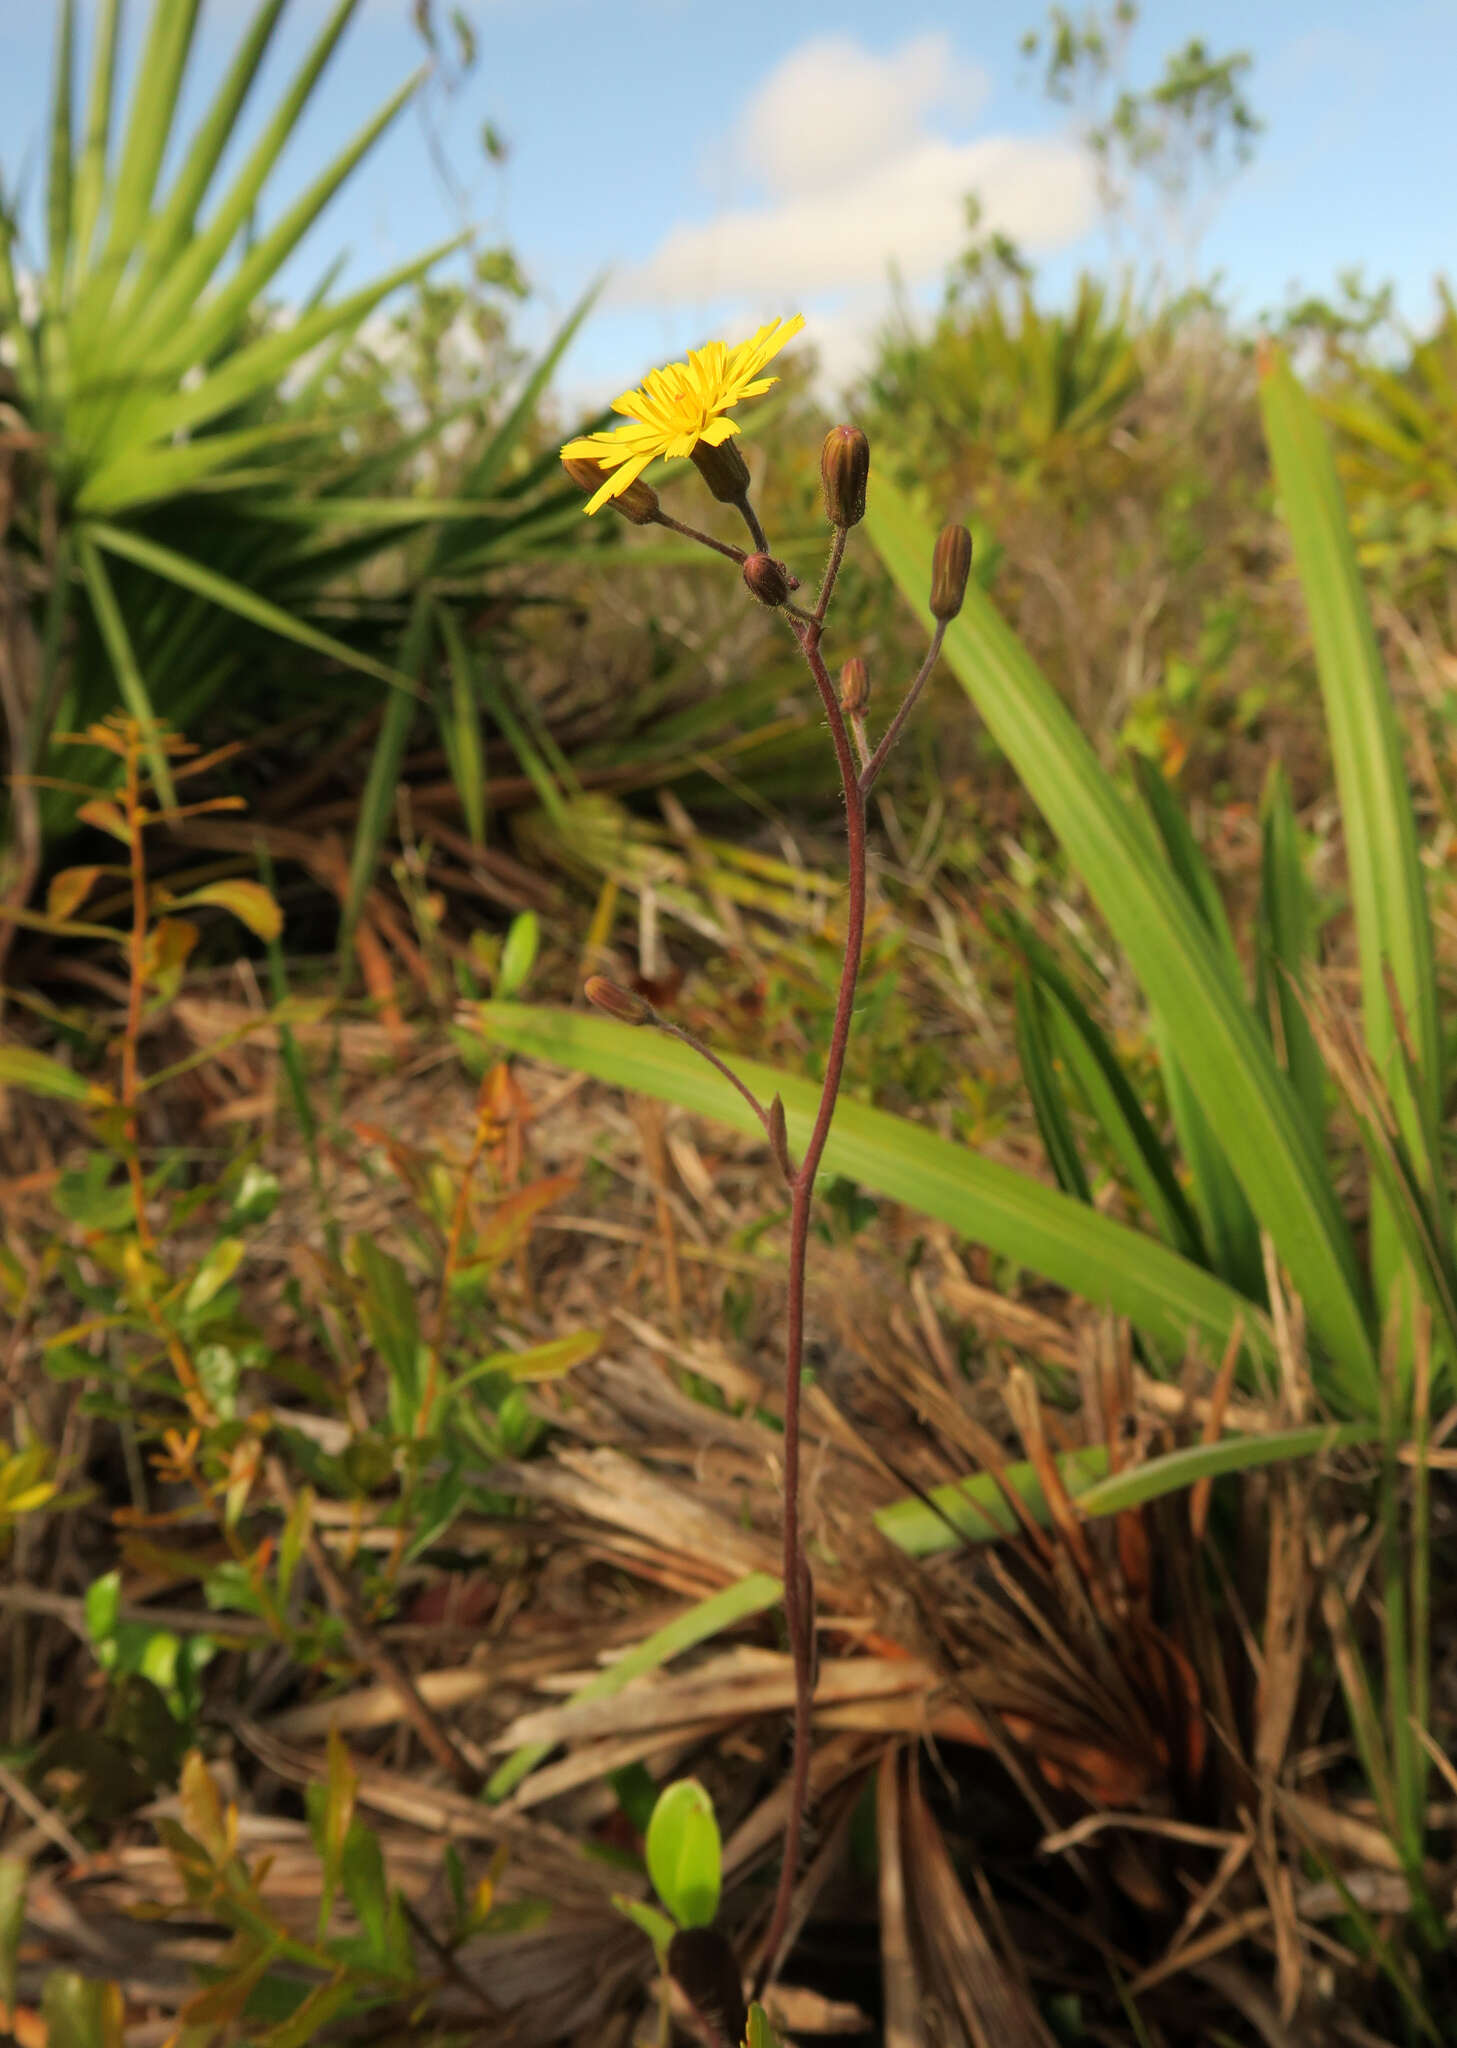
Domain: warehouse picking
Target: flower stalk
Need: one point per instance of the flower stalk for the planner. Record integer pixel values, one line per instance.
(680, 412)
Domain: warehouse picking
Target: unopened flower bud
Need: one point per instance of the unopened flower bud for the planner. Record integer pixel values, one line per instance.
(854, 687)
(723, 469)
(616, 1002)
(950, 567)
(768, 579)
(844, 468)
(639, 502)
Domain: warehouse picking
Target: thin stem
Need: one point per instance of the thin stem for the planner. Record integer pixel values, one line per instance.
(897, 724)
(798, 1594)
(707, 1052)
(832, 570)
(720, 547)
(751, 520)
(136, 981)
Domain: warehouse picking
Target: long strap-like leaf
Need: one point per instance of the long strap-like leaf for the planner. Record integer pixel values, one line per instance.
(1228, 1063)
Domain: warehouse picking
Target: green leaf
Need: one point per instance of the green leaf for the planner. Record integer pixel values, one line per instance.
(1393, 931)
(1287, 945)
(685, 1854)
(518, 955)
(658, 1928)
(460, 727)
(101, 1606)
(761, 2034)
(118, 645)
(80, 2012)
(13, 1874)
(229, 596)
(213, 1275)
(1104, 1261)
(377, 804)
(38, 1074)
(388, 1307)
(1034, 1056)
(256, 1195)
(249, 902)
(1213, 1035)
(975, 1510)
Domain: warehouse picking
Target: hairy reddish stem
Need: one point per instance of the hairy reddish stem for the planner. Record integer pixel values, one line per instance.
(798, 1599)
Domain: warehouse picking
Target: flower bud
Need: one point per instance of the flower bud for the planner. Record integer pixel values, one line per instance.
(768, 579)
(950, 567)
(723, 469)
(616, 1002)
(844, 467)
(854, 687)
(639, 502)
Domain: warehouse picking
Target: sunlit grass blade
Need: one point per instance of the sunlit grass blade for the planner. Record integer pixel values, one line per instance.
(1226, 1059)
(118, 645)
(697, 1624)
(58, 183)
(1187, 862)
(1387, 892)
(1226, 1220)
(460, 727)
(91, 166)
(974, 1511)
(1286, 940)
(1047, 1232)
(377, 802)
(174, 224)
(233, 597)
(187, 277)
(148, 131)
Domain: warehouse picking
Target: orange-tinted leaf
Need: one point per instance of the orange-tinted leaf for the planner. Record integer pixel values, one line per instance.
(106, 816)
(249, 902)
(513, 1218)
(69, 890)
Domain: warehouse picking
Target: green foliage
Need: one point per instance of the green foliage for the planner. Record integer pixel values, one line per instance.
(684, 1852)
(217, 487)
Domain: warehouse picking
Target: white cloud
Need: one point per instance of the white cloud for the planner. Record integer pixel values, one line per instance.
(857, 177)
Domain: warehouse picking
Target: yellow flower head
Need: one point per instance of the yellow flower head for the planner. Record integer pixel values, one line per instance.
(682, 405)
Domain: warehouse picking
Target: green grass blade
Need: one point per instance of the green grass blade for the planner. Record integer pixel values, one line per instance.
(1392, 927)
(91, 167)
(460, 727)
(236, 598)
(974, 1510)
(1218, 1044)
(1110, 1099)
(1287, 946)
(148, 132)
(503, 443)
(173, 226)
(740, 1602)
(199, 338)
(188, 276)
(1227, 1221)
(1034, 1056)
(1049, 1233)
(377, 803)
(58, 188)
(118, 646)
(256, 368)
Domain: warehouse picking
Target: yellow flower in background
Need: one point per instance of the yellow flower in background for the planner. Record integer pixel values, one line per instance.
(680, 406)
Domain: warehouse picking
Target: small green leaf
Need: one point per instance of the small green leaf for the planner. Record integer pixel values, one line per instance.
(102, 1607)
(219, 1369)
(658, 1928)
(80, 2012)
(685, 1855)
(216, 1270)
(760, 2034)
(249, 902)
(12, 1913)
(38, 1074)
(518, 955)
(257, 1195)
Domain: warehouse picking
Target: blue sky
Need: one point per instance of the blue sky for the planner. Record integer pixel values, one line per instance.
(724, 173)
